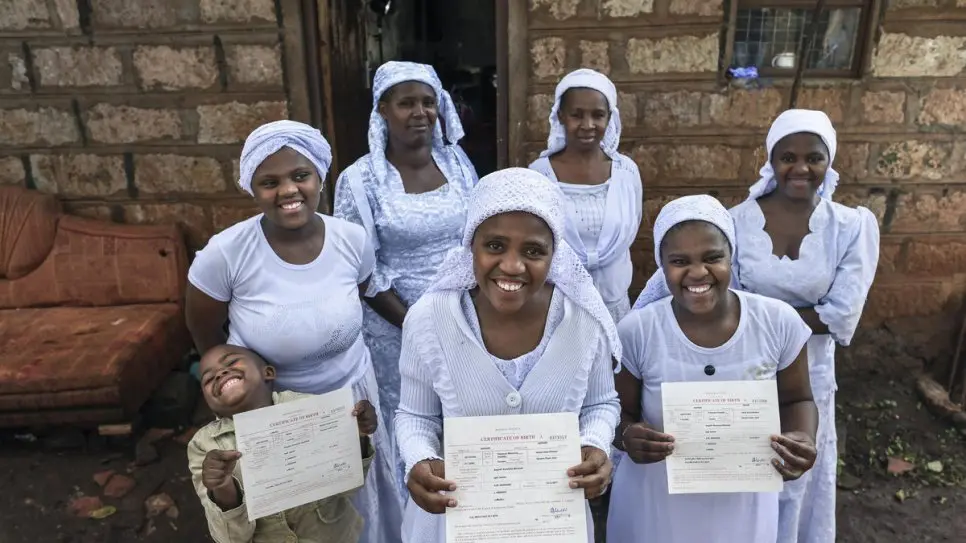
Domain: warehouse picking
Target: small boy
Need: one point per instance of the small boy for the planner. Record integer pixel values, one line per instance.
(235, 380)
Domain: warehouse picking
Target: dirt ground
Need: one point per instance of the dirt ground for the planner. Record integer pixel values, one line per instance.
(879, 412)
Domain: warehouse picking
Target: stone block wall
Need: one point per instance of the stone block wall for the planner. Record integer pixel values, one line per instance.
(902, 150)
(135, 110)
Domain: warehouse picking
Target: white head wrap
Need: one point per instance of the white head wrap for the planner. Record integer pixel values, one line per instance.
(795, 121)
(521, 189)
(585, 78)
(268, 139)
(699, 207)
(391, 74)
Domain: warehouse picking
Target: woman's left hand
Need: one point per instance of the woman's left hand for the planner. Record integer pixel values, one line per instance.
(798, 452)
(593, 474)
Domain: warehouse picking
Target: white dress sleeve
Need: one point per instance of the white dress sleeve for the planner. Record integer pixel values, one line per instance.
(210, 272)
(600, 412)
(632, 350)
(841, 308)
(419, 418)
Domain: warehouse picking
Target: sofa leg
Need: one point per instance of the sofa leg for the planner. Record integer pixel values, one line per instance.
(114, 429)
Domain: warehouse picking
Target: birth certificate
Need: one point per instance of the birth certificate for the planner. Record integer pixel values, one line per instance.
(511, 477)
(298, 452)
(722, 436)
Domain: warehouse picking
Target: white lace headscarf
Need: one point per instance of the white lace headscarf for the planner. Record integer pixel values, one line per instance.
(585, 78)
(796, 121)
(699, 207)
(521, 189)
(268, 139)
(448, 129)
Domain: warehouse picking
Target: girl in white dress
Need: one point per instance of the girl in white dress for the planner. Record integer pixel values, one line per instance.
(511, 325)
(703, 331)
(603, 187)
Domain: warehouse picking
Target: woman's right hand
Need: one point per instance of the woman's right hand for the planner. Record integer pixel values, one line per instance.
(645, 445)
(425, 484)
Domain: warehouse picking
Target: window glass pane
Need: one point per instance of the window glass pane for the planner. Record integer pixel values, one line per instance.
(768, 37)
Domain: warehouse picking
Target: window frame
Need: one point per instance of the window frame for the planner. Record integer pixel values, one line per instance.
(864, 33)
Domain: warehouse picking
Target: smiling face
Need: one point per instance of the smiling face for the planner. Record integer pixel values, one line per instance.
(800, 162)
(287, 189)
(410, 111)
(696, 259)
(511, 259)
(235, 380)
(584, 114)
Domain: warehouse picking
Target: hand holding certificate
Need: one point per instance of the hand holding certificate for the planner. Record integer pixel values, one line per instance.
(298, 452)
(722, 436)
(511, 479)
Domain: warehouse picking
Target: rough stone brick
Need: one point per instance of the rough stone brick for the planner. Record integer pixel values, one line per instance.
(751, 108)
(11, 171)
(239, 11)
(702, 162)
(192, 219)
(79, 175)
(547, 56)
(559, 9)
(627, 8)
(97, 212)
(683, 54)
(888, 257)
(594, 55)
(538, 113)
(255, 64)
(902, 4)
(235, 173)
(125, 124)
(78, 66)
(224, 216)
(884, 107)
(938, 259)
(672, 110)
(627, 103)
(852, 161)
(14, 74)
(830, 100)
(232, 122)
(932, 213)
(172, 173)
(24, 14)
(899, 55)
(876, 203)
(67, 13)
(168, 68)
(892, 300)
(706, 8)
(143, 13)
(943, 106)
(45, 125)
(647, 158)
(911, 159)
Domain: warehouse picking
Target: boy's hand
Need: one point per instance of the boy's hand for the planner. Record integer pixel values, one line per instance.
(365, 415)
(217, 475)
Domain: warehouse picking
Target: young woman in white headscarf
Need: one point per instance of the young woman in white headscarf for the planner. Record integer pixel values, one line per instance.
(511, 325)
(603, 187)
(704, 331)
(409, 193)
(287, 282)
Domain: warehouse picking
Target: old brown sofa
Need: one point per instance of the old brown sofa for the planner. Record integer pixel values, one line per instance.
(91, 317)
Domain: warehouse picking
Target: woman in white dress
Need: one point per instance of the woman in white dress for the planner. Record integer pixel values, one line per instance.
(603, 187)
(795, 244)
(703, 331)
(511, 325)
(287, 284)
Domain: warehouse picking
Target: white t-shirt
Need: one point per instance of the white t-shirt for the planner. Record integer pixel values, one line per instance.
(305, 319)
(770, 336)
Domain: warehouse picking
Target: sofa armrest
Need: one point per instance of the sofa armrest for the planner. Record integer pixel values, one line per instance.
(98, 263)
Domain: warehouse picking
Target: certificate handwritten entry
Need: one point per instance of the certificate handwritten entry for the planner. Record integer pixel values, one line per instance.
(511, 477)
(298, 452)
(722, 436)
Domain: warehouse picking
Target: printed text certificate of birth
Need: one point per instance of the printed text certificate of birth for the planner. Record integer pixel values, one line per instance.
(511, 477)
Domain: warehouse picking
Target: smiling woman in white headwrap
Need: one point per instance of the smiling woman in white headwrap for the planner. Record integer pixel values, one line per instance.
(703, 331)
(511, 325)
(409, 193)
(603, 187)
(287, 283)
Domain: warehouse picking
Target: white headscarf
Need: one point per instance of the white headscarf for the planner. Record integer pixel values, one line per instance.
(585, 78)
(521, 189)
(391, 74)
(796, 121)
(699, 207)
(268, 139)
